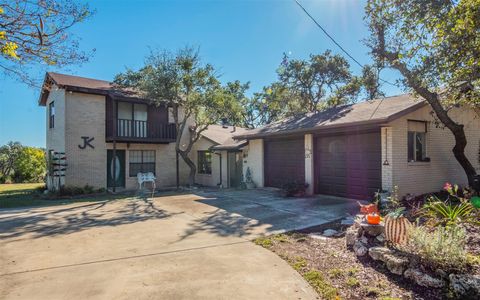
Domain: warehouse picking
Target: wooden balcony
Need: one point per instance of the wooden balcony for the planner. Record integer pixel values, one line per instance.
(135, 131)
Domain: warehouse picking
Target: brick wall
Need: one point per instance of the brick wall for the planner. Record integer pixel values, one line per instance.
(55, 137)
(424, 177)
(85, 116)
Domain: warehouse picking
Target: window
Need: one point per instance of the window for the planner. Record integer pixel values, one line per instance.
(132, 119)
(141, 161)
(51, 115)
(204, 162)
(417, 141)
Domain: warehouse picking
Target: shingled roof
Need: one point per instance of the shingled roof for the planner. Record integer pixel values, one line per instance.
(82, 84)
(222, 136)
(362, 113)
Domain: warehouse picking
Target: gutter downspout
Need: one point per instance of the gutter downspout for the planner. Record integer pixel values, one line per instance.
(220, 157)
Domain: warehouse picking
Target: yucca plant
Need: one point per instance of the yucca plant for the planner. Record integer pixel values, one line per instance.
(446, 214)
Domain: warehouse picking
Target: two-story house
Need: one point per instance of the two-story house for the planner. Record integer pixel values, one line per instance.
(107, 135)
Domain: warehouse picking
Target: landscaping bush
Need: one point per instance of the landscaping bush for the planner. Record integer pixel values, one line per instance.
(76, 190)
(447, 214)
(455, 210)
(441, 248)
(295, 188)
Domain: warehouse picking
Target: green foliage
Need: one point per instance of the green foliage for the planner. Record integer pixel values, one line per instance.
(393, 207)
(78, 190)
(34, 33)
(437, 39)
(435, 46)
(455, 210)
(443, 248)
(265, 242)
(299, 263)
(324, 80)
(352, 282)
(318, 282)
(21, 164)
(9, 154)
(336, 273)
(446, 214)
(273, 103)
(192, 88)
(30, 166)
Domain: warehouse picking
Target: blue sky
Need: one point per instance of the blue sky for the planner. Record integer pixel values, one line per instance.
(243, 39)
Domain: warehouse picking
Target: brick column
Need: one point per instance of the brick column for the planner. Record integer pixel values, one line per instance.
(309, 174)
(387, 174)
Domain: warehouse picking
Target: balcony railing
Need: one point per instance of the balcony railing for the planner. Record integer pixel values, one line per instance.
(143, 131)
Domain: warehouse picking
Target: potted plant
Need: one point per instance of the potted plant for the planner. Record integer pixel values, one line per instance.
(295, 188)
(249, 184)
(396, 224)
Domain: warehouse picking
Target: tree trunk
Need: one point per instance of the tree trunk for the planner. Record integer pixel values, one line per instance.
(191, 165)
(457, 129)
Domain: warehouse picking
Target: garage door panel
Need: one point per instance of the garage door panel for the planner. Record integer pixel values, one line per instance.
(284, 161)
(348, 165)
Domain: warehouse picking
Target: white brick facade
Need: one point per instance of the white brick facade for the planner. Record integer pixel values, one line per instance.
(410, 177)
(424, 177)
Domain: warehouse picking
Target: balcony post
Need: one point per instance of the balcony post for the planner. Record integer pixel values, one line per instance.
(114, 152)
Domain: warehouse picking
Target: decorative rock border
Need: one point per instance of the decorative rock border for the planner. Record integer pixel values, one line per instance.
(364, 238)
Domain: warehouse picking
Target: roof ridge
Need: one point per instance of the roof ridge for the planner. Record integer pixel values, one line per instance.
(82, 77)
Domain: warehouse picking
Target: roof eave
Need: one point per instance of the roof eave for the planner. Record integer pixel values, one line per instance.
(335, 126)
(230, 147)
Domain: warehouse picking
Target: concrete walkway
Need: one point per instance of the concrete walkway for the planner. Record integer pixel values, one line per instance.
(190, 246)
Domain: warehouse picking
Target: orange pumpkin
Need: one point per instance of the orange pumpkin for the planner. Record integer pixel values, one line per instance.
(373, 219)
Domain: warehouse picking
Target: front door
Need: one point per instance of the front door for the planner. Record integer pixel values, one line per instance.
(119, 168)
(235, 163)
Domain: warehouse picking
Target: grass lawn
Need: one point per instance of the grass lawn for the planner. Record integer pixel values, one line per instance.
(27, 194)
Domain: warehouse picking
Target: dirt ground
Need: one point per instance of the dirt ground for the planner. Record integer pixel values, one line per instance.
(337, 272)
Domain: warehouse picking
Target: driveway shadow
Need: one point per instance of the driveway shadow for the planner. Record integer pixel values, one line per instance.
(51, 222)
(247, 213)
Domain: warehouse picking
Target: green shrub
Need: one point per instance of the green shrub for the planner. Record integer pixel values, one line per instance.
(324, 288)
(265, 242)
(294, 188)
(442, 248)
(76, 190)
(446, 214)
(88, 189)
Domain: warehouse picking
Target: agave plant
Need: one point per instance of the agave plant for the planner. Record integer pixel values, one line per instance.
(446, 214)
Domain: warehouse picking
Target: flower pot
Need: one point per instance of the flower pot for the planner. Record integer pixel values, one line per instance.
(475, 201)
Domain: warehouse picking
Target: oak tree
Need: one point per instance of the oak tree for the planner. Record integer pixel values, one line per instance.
(435, 45)
(191, 88)
(37, 32)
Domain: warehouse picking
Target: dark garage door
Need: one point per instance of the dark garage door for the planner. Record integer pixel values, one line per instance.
(284, 161)
(348, 165)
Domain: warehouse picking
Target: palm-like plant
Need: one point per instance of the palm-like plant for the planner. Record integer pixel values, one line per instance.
(446, 214)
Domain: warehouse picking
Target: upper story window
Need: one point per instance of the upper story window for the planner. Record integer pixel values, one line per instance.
(51, 115)
(417, 141)
(204, 162)
(132, 119)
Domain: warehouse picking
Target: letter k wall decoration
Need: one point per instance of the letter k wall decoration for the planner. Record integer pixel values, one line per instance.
(86, 142)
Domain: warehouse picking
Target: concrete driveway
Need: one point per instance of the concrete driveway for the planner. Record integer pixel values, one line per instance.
(187, 246)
